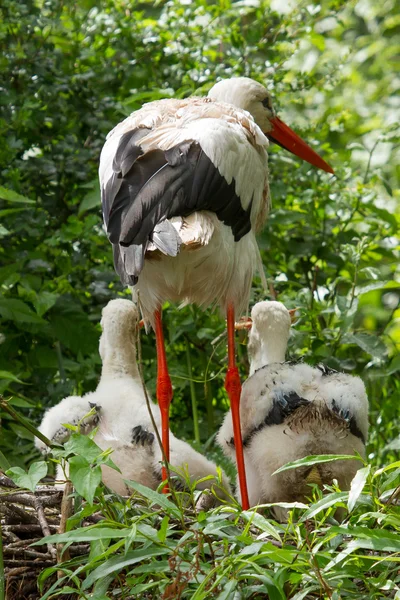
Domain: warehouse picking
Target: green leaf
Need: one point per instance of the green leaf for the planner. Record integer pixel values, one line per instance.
(84, 476)
(28, 480)
(228, 590)
(11, 196)
(4, 464)
(315, 460)
(72, 327)
(324, 503)
(82, 445)
(385, 469)
(10, 211)
(371, 539)
(86, 534)
(371, 344)
(15, 310)
(3, 231)
(120, 562)
(261, 523)
(393, 445)
(10, 377)
(44, 301)
(153, 496)
(92, 198)
(131, 537)
(394, 365)
(162, 532)
(357, 486)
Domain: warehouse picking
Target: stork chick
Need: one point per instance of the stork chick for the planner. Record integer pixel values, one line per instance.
(292, 410)
(122, 416)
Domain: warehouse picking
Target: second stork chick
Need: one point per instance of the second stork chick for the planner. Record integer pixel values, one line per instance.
(292, 410)
(122, 416)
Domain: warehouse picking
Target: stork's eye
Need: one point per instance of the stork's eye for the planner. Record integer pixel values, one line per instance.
(267, 103)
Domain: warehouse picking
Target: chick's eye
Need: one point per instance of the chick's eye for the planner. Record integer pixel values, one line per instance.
(267, 103)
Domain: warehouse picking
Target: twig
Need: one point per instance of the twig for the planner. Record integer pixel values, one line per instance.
(192, 394)
(7, 482)
(27, 528)
(272, 290)
(16, 513)
(209, 397)
(2, 578)
(27, 553)
(22, 543)
(66, 512)
(392, 499)
(20, 562)
(321, 579)
(44, 525)
(27, 500)
(17, 571)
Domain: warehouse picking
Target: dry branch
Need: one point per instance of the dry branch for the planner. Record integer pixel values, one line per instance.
(26, 517)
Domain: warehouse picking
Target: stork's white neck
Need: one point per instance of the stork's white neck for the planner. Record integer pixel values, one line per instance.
(265, 349)
(120, 361)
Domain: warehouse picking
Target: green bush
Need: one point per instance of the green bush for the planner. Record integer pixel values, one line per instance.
(69, 73)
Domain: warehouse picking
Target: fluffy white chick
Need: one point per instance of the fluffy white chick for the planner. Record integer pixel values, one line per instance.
(122, 416)
(292, 410)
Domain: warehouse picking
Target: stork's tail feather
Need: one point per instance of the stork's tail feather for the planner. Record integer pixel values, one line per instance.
(166, 238)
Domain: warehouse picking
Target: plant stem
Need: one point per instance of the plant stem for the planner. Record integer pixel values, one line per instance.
(60, 361)
(209, 398)
(2, 586)
(192, 395)
(24, 422)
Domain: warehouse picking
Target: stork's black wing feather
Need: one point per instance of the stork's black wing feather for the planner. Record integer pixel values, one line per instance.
(147, 188)
(325, 370)
(350, 419)
(284, 404)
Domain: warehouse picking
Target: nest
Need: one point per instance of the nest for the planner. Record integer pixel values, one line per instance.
(27, 517)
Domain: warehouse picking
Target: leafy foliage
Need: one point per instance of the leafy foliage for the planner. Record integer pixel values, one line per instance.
(156, 549)
(330, 248)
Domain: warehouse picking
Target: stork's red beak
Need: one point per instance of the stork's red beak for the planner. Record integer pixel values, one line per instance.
(284, 136)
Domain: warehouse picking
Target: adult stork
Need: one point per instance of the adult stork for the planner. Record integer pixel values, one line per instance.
(184, 187)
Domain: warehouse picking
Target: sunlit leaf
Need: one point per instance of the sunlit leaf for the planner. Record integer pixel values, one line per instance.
(84, 476)
(30, 479)
(13, 197)
(314, 460)
(357, 486)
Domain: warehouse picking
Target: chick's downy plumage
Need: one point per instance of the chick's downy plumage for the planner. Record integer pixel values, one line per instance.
(122, 416)
(292, 410)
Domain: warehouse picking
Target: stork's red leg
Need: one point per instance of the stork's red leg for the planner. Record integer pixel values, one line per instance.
(234, 388)
(164, 388)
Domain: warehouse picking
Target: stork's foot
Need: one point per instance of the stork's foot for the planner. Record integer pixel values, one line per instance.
(142, 437)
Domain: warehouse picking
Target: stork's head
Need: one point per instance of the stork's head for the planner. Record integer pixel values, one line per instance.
(119, 322)
(250, 95)
(269, 334)
(271, 317)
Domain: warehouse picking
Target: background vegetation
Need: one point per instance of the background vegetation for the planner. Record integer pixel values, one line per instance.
(69, 73)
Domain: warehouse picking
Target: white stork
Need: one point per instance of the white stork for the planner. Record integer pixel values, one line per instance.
(291, 410)
(184, 187)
